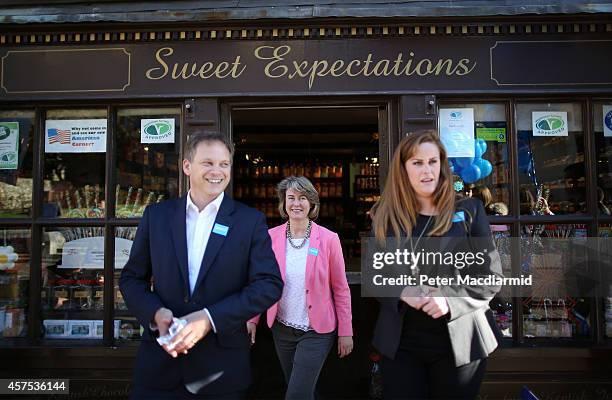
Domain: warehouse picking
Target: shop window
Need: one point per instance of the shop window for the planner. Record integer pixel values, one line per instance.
(604, 232)
(551, 158)
(554, 256)
(72, 294)
(14, 282)
(74, 163)
(126, 326)
(602, 129)
(148, 158)
(476, 138)
(16, 133)
(501, 305)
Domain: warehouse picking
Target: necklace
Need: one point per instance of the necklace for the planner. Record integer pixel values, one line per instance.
(290, 237)
(415, 267)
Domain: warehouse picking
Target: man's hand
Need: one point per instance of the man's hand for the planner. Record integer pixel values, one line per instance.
(414, 296)
(198, 326)
(163, 320)
(345, 345)
(252, 330)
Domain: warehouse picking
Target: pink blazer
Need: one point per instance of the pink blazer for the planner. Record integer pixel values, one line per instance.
(328, 297)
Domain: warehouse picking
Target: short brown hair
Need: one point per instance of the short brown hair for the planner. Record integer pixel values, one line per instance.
(302, 185)
(198, 137)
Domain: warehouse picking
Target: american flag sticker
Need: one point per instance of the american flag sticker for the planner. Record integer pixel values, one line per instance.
(61, 136)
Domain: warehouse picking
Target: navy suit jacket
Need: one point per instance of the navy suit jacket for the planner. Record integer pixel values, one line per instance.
(239, 278)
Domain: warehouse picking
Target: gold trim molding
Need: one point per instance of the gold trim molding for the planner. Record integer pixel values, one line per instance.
(301, 33)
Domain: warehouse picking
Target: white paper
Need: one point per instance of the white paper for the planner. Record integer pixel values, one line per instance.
(549, 123)
(607, 120)
(158, 130)
(457, 131)
(75, 135)
(9, 145)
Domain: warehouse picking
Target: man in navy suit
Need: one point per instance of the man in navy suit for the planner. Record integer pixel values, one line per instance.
(206, 259)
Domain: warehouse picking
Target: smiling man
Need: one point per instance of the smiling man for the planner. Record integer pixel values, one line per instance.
(211, 263)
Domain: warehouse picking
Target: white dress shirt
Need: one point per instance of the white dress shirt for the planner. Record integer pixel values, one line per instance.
(198, 225)
(292, 306)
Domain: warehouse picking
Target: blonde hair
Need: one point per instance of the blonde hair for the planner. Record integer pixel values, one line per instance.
(302, 185)
(398, 206)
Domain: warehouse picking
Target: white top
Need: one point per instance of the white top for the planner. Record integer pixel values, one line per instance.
(199, 225)
(292, 306)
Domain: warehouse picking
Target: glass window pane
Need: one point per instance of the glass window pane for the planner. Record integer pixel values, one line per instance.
(16, 133)
(74, 163)
(602, 129)
(604, 232)
(491, 182)
(14, 282)
(501, 305)
(126, 326)
(550, 260)
(551, 168)
(146, 172)
(72, 298)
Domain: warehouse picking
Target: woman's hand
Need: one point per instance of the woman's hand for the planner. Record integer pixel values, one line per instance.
(252, 329)
(436, 306)
(345, 345)
(414, 296)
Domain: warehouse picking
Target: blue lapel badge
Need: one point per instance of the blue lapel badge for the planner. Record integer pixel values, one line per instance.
(459, 216)
(313, 252)
(220, 229)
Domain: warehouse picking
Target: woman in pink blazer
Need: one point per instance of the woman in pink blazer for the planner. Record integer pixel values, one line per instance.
(316, 301)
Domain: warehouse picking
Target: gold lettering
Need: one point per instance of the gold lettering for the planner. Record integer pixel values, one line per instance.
(381, 68)
(338, 64)
(464, 67)
(424, 62)
(235, 71)
(158, 57)
(277, 56)
(350, 66)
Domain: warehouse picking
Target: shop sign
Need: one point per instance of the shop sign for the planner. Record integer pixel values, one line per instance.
(492, 131)
(9, 145)
(607, 120)
(75, 135)
(549, 123)
(457, 131)
(157, 130)
(88, 253)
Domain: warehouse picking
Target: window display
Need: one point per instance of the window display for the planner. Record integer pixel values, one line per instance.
(148, 141)
(16, 133)
(551, 158)
(74, 139)
(480, 165)
(14, 282)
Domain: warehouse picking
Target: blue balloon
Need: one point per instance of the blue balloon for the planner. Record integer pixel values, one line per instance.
(464, 162)
(470, 174)
(485, 167)
(480, 147)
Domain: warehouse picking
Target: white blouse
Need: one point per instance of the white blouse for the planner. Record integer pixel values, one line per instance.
(292, 309)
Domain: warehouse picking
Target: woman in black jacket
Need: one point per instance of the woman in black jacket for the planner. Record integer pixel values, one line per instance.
(434, 340)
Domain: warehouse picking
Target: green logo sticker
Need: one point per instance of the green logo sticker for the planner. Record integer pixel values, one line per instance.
(4, 132)
(158, 128)
(8, 157)
(550, 124)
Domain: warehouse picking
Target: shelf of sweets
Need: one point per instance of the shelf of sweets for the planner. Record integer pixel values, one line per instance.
(264, 191)
(134, 204)
(270, 171)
